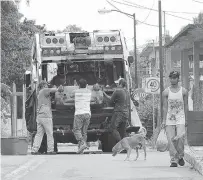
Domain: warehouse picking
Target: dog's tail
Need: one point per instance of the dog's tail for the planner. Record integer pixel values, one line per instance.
(143, 131)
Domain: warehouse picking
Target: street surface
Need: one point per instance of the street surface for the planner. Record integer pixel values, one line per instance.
(94, 166)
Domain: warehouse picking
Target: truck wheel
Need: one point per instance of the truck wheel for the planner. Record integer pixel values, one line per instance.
(55, 147)
(108, 142)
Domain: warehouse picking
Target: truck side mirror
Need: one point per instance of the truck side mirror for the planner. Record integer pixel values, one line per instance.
(130, 59)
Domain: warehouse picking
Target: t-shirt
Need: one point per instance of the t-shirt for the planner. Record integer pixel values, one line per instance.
(121, 100)
(176, 113)
(82, 101)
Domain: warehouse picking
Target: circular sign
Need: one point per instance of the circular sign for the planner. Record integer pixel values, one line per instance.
(153, 85)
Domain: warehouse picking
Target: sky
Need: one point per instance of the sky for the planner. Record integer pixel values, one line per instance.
(57, 14)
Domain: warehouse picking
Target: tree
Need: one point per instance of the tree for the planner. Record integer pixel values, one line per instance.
(198, 19)
(73, 28)
(16, 42)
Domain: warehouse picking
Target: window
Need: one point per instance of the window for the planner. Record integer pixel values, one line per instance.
(201, 60)
(191, 63)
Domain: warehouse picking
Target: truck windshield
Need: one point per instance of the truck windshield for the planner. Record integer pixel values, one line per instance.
(102, 72)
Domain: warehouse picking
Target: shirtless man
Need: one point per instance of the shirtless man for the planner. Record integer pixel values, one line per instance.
(175, 106)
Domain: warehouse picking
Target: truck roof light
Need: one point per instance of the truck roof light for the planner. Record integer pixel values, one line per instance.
(55, 41)
(119, 48)
(58, 51)
(52, 52)
(48, 40)
(112, 39)
(100, 39)
(45, 52)
(106, 39)
(106, 48)
(113, 48)
(61, 40)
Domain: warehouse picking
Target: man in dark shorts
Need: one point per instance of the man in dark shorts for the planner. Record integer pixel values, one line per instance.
(120, 99)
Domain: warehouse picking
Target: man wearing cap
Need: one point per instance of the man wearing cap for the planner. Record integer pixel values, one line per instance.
(59, 79)
(44, 118)
(175, 107)
(121, 101)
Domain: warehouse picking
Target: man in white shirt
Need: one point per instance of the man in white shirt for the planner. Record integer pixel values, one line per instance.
(82, 114)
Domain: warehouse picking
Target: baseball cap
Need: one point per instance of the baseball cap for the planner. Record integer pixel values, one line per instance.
(174, 74)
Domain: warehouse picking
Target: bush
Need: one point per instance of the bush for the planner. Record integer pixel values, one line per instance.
(145, 111)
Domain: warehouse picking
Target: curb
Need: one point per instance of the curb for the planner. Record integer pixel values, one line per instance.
(194, 159)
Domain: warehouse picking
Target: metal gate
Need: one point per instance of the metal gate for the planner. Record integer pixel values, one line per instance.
(195, 128)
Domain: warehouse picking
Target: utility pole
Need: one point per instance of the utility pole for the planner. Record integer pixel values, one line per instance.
(135, 53)
(160, 62)
(164, 24)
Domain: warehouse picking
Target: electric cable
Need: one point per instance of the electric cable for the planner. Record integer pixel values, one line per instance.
(143, 7)
(198, 1)
(131, 17)
(149, 12)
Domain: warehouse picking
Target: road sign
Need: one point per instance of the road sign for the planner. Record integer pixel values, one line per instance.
(152, 85)
(139, 93)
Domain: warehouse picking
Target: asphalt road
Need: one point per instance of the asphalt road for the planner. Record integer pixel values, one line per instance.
(94, 166)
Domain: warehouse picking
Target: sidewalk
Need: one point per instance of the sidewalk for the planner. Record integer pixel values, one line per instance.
(194, 156)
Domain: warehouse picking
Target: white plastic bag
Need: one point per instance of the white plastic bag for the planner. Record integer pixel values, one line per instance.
(135, 119)
(162, 142)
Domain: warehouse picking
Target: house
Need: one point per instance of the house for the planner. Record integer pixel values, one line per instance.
(150, 55)
(189, 43)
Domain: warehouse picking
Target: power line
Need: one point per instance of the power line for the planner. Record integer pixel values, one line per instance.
(197, 1)
(134, 5)
(179, 17)
(149, 12)
(117, 8)
(182, 12)
(143, 7)
(131, 17)
(157, 10)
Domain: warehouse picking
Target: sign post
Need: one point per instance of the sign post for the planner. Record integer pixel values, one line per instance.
(153, 87)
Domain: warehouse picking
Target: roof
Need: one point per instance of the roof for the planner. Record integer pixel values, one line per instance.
(147, 50)
(186, 31)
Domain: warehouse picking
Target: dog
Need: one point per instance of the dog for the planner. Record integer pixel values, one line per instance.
(135, 141)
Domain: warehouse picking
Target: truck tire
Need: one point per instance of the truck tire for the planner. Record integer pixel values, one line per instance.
(107, 141)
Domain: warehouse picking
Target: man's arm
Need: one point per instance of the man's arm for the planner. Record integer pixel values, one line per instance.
(47, 91)
(165, 105)
(113, 97)
(72, 95)
(185, 99)
(108, 97)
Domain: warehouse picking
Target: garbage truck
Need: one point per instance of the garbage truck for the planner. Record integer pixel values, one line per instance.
(100, 57)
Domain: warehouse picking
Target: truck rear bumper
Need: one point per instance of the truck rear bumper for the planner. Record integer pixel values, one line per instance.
(67, 136)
